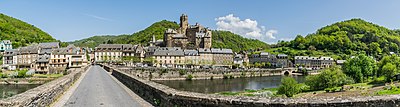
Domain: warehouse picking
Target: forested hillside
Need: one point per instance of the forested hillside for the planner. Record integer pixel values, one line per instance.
(221, 39)
(345, 38)
(21, 33)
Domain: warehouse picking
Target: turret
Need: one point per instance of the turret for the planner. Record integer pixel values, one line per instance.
(184, 23)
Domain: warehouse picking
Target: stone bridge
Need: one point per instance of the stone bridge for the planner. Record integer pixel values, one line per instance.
(117, 88)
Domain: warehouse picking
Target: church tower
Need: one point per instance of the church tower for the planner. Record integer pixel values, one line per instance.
(184, 23)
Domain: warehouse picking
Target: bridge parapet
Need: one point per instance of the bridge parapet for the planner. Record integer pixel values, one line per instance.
(164, 96)
(45, 94)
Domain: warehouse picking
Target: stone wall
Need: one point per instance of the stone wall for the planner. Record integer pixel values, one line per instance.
(161, 95)
(181, 74)
(45, 94)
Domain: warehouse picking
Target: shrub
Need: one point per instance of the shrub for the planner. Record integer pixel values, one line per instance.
(289, 87)
(189, 77)
(182, 72)
(329, 78)
(22, 73)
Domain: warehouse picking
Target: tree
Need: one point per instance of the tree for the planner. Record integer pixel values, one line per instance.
(289, 87)
(359, 68)
(375, 48)
(328, 78)
(394, 47)
(389, 70)
(312, 48)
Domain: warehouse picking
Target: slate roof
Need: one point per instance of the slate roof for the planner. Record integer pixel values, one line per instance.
(33, 49)
(190, 52)
(49, 45)
(221, 51)
(340, 61)
(43, 58)
(116, 46)
(313, 58)
(204, 50)
(6, 41)
(151, 49)
(179, 36)
(10, 52)
(169, 51)
(45, 51)
(282, 55)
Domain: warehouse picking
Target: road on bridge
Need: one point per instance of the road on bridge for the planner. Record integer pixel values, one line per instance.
(98, 88)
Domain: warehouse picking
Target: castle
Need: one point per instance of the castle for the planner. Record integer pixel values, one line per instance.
(188, 36)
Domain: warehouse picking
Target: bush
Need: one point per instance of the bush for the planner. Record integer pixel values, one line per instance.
(182, 72)
(289, 87)
(22, 73)
(329, 78)
(189, 77)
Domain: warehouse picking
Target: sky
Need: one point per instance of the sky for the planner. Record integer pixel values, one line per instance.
(266, 20)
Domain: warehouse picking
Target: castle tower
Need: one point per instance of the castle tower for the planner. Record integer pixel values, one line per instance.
(208, 39)
(184, 23)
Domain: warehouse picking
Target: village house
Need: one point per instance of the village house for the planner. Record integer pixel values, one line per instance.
(5, 45)
(277, 61)
(169, 57)
(205, 57)
(313, 62)
(26, 56)
(192, 58)
(222, 57)
(10, 59)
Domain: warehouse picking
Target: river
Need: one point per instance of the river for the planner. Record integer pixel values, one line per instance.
(11, 90)
(221, 85)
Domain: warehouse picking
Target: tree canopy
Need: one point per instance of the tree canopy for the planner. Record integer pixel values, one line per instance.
(350, 37)
(221, 39)
(21, 33)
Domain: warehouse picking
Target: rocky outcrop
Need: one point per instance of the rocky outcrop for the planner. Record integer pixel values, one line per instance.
(45, 94)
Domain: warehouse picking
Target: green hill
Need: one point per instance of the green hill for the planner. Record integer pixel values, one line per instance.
(344, 39)
(221, 39)
(21, 33)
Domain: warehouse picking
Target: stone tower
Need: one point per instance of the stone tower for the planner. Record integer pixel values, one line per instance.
(208, 39)
(184, 23)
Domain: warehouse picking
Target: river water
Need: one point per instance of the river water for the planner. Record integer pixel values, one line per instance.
(221, 85)
(11, 90)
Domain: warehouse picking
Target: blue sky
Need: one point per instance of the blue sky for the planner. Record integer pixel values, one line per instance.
(266, 20)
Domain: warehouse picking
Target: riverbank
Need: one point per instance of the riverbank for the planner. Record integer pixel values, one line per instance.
(35, 79)
(159, 74)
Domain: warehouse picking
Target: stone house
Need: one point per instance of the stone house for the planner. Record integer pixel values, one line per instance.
(58, 61)
(205, 57)
(5, 45)
(222, 57)
(42, 64)
(27, 56)
(169, 57)
(192, 58)
(10, 59)
(313, 62)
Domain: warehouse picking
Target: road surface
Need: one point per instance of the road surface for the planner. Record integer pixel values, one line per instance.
(98, 88)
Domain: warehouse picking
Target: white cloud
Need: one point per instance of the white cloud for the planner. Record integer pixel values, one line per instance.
(271, 33)
(247, 28)
(98, 17)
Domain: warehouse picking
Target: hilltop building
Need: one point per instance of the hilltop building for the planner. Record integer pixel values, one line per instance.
(188, 36)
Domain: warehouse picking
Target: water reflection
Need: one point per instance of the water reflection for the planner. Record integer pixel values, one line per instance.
(11, 90)
(220, 85)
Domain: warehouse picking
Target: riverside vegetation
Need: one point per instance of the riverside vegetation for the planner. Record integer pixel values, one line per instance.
(361, 75)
